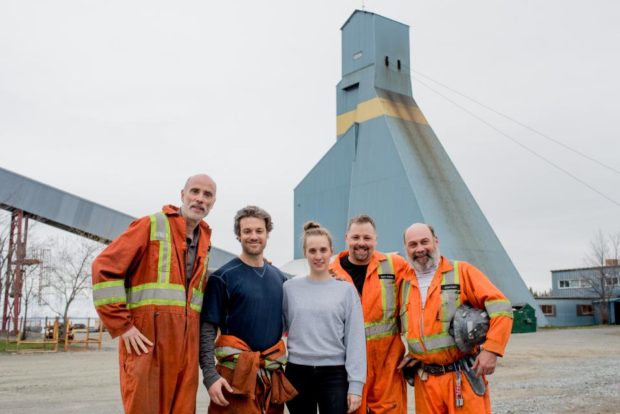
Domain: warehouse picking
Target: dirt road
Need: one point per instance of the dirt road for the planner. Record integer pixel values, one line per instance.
(551, 371)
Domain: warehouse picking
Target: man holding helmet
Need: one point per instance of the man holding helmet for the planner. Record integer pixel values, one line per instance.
(456, 323)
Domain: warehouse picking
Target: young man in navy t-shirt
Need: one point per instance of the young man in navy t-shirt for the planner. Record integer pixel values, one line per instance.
(243, 299)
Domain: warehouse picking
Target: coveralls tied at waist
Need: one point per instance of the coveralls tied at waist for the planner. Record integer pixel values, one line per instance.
(252, 369)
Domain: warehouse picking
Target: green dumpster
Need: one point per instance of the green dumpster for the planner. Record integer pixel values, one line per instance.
(524, 318)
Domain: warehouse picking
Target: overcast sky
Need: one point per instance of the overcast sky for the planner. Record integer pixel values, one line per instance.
(120, 101)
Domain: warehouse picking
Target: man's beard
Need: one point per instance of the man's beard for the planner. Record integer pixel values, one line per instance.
(253, 251)
(433, 261)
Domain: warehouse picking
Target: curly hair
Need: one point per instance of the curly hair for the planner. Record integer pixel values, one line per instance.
(252, 211)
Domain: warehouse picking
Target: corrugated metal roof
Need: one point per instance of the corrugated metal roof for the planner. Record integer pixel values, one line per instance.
(72, 213)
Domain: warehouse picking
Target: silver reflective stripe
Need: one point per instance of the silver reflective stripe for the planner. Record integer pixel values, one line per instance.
(449, 300)
(437, 342)
(223, 352)
(155, 294)
(381, 329)
(109, 294)
(388, 287)
(499, 307)
(226, 351)
(112, 291)
(404, 311)
(415, 346)
(160, 230)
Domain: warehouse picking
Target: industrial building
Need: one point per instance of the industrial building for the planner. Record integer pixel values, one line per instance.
(387, 162)
(575, 296)
(28, 199)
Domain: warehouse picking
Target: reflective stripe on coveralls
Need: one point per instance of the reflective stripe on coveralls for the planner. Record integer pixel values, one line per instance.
(450, 301)
(498, 307)
(228, 355)
(161, 292)
(387, 326)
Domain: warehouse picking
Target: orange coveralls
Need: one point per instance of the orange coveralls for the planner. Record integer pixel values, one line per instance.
(139, 280)
(257, 378)
(385, 390)
(426, 331)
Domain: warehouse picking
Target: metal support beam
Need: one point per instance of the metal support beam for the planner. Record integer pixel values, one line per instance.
(14, 276)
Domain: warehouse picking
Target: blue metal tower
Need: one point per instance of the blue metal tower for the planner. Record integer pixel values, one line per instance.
(388, 163)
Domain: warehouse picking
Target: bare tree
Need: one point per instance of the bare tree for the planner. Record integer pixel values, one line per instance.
(70, 276)
(603, 276)
(31, 282)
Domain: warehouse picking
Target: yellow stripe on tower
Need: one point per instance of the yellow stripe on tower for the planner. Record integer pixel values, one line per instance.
(376, 107)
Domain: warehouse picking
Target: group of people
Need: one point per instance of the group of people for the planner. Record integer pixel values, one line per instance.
(333, 339)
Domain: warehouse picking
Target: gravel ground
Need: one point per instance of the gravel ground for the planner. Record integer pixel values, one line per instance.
(551, 371)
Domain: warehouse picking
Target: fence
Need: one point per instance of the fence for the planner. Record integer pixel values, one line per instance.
(46, 334)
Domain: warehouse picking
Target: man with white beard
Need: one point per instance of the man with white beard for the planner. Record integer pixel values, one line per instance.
(430, 299)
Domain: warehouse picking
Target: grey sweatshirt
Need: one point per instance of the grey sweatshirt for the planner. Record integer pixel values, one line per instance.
(326, 326)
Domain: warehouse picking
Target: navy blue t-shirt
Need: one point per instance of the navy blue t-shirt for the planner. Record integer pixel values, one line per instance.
(246, 302)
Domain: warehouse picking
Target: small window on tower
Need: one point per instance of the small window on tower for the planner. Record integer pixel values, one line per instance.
(357, 55)
(398, 64)
(387, 61)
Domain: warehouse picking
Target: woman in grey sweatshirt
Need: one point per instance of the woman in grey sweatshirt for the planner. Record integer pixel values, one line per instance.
(326, 342)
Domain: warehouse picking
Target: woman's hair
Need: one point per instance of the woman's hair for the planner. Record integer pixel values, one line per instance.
(312, 228)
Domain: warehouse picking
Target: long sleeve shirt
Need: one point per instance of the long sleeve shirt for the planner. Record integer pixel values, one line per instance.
(326, 326)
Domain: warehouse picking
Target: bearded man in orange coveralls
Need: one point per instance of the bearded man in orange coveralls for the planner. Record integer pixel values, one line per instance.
(377, 277)
(148, 287)
(448, 380)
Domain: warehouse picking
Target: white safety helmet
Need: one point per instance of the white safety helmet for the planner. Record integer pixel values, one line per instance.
(469, 327)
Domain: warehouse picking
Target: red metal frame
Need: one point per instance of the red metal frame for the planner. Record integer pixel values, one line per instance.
(18, 238)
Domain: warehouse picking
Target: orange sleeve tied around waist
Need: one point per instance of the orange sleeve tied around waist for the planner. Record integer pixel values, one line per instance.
(247, 365)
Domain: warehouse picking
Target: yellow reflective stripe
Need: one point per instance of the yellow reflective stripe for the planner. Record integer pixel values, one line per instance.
(158, 302)
(111, 283)
(204, 271)
(160, 231)
(169, 286)
(456, 272)
(224, 352)
(404, 312)
(105, 293)
(228, 364)
(498, 307)
(196, 301)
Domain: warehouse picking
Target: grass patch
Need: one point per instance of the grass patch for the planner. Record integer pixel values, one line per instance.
(11, 346)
